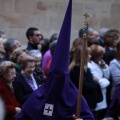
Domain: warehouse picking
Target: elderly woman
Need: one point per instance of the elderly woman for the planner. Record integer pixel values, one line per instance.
(16, 57)
(7, 76)
(99, 70)
(26, 82)
(38, 57)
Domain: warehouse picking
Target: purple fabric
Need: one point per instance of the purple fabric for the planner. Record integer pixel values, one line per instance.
(47, 56)
(63, 96)
(114, 108)
(58, 90)
(29, 81)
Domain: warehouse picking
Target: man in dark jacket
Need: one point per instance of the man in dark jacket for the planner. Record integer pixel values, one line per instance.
(34, 37)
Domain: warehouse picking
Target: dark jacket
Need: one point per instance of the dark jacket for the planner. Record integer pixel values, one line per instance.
(5, 58)
(22, 88)
(114, 107)
(109, 55)
(31, 47)
(91, 89)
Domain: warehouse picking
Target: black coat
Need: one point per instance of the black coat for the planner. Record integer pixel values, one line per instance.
(30, 46)
(22, 88)
(91, 89)
(109, 55)
(5, 58)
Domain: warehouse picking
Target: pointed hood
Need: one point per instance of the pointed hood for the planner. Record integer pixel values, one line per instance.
(60, 60)
(57, 98)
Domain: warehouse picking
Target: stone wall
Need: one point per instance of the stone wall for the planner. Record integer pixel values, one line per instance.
(16, 16)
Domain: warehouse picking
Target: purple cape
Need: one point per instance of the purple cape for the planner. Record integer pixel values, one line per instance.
(57, 98)
(114, 108)
(63, 95)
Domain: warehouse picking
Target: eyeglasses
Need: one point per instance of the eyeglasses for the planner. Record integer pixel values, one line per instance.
(37, 62)
(11, 74)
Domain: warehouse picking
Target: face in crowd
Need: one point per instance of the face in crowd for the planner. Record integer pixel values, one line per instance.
(37, 63)
(30, 67)
(10, 75)
(36, 38)
(19, 58)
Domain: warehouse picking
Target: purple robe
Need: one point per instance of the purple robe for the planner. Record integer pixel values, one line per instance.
(63, 96)
(114, 108)
(57, 98)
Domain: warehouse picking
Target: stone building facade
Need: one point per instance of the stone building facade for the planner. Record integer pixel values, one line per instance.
(16, 16)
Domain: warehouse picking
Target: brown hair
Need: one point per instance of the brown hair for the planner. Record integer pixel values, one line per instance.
(96, 51)
(77, 57)
(110, 36)
(76, 42)
(17, 52)
(25, 60)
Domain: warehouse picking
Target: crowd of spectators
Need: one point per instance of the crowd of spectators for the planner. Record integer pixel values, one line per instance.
(23, 70)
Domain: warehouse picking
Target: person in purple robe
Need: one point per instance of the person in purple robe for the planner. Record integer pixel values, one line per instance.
(57, 98)
(113, 111)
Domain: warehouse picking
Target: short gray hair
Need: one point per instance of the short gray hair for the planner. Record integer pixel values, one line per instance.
(35, 53)
(11, 42)
(5, 65)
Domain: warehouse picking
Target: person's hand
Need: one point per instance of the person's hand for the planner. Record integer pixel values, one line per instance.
(95, 79)
(17, 110)
(75, 118)
(40, 46)
(103, 64)
(108, 118)
(72, 64)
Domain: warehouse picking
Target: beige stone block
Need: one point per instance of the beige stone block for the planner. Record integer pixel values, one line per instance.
(110, 23)
(98, 8)
(13, 20)
(78, 9)
(25, 6)
(9, 6)
(1, 6)
(40, 6)
(77, 22)
(94, 22)
(16, 16)
(20, 34)
(115, 11)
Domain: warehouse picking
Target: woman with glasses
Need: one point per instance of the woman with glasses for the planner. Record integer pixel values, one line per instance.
(38, 58)
(8, 73)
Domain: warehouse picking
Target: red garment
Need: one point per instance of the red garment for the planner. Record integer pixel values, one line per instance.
(9, 99)
(48, 67)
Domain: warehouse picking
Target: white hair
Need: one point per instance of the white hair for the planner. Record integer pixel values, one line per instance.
(35, 53)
